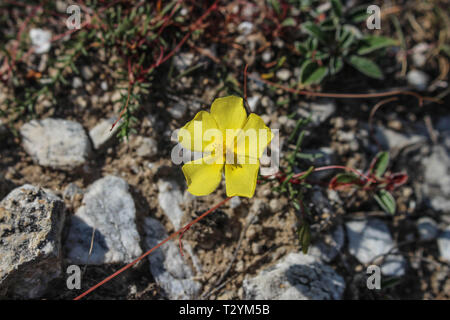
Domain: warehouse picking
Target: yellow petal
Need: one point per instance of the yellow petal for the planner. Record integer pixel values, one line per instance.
(229, 112)
(192, 136)
(203, 175)
(254, 138)
(240, 179)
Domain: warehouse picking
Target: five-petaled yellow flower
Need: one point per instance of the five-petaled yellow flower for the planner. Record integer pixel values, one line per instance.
(229, 140)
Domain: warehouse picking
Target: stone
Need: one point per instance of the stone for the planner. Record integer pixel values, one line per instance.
(417, 79)
(370, 239)
(245, 28)
(178, 110)
(77, 83)
(101, 135)
(444, 244)
(428, 229)
(170, 198)
(71, 191)
(320, 111)
(390, 139)
(328, 248)
(31, 221)
(41, 40)
(235, 202)
(436, 184)
(148, 148)
(254, 102)
(171, 272)
(86, 73)
(319, 158)
(183, 61)
(296, 277)
(284, 74)
(56, 143)
(108, 208)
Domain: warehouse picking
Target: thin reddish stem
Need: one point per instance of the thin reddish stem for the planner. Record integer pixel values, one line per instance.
(181, 230)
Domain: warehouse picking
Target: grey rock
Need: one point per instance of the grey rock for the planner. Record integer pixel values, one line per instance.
(253, 102)
(436, 186)
(245, 28)
(417, 79)
(444, 244)
(77, 82)
(328, 248)
(235, 202)
(428, 228)
(321, 157)
(108, 208)
(368, 240)
(267, 55)
(86, 73)
(320, 111)
(183, 61)
(71, 190)
(41, 40)
(148, 148)
(167, 265)
(419, 57)
(390, 139)
(170, 197)
(394, 265)
(178, 110)
(101, 135)
(31, 221)
(296, 277)
(56, 143)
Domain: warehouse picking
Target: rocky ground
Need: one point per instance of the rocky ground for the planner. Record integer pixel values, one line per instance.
(73, 194)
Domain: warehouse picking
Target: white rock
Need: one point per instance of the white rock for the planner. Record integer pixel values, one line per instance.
(56, 143)
(390, 139)
(170, 197)
(77, 82)
(40, 40)
(86, 73)
(428, 228)
(253, 102)
(417, 79)
(178, 110)
(108, 208)
(444, 244)
(245, 28)
(148, 148)
(170, 270)
(296, 277)
(31, 221)
(284, 74)
(183, 61)
(320, 111)
(101, 135)
(235, 202)
(368, 240)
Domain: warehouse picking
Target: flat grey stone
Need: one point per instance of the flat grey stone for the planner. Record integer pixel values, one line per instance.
(31, 220)
(56, 143)
(170, 197)
(320, 111)
(108, 208)
(101, 135)
(296, 277)
(148, 147)
(169, 268)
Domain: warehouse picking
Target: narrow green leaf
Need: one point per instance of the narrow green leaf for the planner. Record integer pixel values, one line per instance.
(372, 43)
(312, 73)
(386, 201)
(381, 163)
(304, 235)
(337, 7)
(366, 66)
(289, 22)
(314, 30)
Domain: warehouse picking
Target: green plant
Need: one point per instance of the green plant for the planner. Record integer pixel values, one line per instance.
(335, 41)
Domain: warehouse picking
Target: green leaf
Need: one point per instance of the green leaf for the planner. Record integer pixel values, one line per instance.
(386, 201)
(337, 7)
(304, 235)
(381, 163)
(372, 43)
(346, 178)
(366, 66)
(312, 73)
(336, 64)
(314, 30)
(358, 14)
(289, 22)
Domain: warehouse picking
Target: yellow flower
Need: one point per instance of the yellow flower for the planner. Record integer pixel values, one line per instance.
(230, 141)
